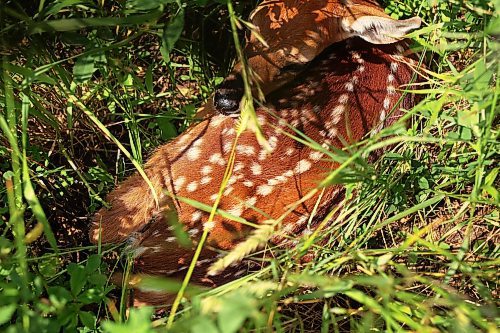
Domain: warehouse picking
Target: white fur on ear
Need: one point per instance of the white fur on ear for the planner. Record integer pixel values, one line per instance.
(381, 30)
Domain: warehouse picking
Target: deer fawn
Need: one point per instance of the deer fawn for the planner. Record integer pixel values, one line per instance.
(345, 93)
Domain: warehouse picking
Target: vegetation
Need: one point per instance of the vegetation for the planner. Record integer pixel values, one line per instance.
(88, 88)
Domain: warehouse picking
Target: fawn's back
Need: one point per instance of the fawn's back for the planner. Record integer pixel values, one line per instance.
(350, 90)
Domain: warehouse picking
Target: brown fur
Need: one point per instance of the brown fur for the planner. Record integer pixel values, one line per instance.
(277, 180)
(296, 31)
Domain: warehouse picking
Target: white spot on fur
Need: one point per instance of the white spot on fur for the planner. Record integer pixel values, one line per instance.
(338, 111)
(206, 170)
(302, 166)
(390, 78)
(281, 178)
(238, 167)
(228, 131)
(289, 151)
(382, 116)
(236, 210)
(196, 216)
(262, 119)
(226, 148)
(316, 155)
(217, 159)
(191, 187)
(391, 90)
(209, 225)
(248, 183)
(217, 120)
(179, 182)
(264, 190)
(251, 201)
(307, 232)
(302, 220)
(228, 191)
(349, 86)
(205, 180)
(289, 228)
(394, 66)
(193, 232)
(232, 180)
(273, 141)
(380, 125)
(387, 103)
(256, 169)
(332, 132)
(343, 98)
(273, 182)
(263, 155)
(246, 150)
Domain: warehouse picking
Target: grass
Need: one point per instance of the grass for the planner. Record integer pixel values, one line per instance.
(89, 88)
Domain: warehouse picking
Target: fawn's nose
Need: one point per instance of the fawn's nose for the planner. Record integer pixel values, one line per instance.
(228, 95)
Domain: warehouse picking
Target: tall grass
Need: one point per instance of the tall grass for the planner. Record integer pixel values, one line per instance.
(89, 88)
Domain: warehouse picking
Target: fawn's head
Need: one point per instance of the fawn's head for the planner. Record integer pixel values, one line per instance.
(295, 32)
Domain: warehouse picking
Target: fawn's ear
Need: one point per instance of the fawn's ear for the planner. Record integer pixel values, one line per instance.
(380, 30)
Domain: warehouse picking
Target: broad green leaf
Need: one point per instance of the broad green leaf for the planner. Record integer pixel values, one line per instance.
(78, 278)
(88, 319)
(48, 266)
(423, 183)
(6, 312)
(234, 312)
(167, 129)
(203, 325)
(171, 33)
(93, 263)
(59, 296)
(86, 65)
(139, 322)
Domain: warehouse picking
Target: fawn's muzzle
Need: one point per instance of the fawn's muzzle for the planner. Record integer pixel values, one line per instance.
(228, 95)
